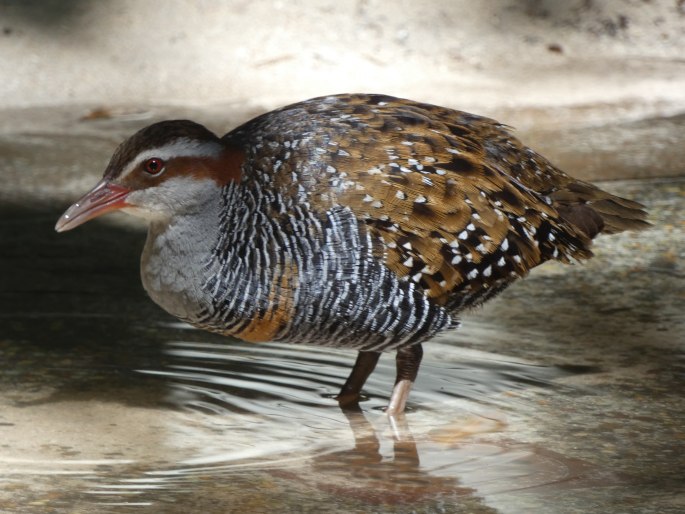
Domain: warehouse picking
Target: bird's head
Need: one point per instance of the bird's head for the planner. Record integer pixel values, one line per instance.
(166, 168)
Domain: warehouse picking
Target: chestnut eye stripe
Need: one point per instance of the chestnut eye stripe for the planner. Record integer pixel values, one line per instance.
(178, 148)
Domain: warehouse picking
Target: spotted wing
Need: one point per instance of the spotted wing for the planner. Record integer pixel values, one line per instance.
(461, 206)
(452, 200)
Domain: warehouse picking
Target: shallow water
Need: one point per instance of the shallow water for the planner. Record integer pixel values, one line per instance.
(208, 413)
(563, 395)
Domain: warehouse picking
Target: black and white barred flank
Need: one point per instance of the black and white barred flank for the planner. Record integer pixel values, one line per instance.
(341, 295)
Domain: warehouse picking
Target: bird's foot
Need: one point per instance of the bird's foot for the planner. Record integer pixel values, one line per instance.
(348, 400)
(398, 400)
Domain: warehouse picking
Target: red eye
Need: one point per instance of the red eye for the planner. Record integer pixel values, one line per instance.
(153, 166)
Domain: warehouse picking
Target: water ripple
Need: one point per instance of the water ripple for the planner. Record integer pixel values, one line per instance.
(267, 410)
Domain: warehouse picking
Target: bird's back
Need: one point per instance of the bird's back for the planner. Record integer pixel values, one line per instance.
(454, 203)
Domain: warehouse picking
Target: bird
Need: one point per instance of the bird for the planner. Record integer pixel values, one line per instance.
(357, 221)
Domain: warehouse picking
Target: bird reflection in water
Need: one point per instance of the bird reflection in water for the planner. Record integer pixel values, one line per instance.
(286, 417)
(280, 430)
(365, 473)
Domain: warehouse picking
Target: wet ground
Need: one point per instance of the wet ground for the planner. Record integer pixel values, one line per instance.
(563, 395)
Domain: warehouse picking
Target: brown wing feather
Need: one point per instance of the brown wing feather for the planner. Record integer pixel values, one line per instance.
(454, 201)
(450, 218)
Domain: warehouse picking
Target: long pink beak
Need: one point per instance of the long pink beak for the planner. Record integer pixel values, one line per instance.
(103, 198)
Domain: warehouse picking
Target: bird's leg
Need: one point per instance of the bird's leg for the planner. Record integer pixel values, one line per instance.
(365, 364)
(407, 361)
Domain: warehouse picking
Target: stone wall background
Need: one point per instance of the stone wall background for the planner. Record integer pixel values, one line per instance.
(599, 86)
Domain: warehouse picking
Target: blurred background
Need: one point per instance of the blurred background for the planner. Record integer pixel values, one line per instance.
(597, 86)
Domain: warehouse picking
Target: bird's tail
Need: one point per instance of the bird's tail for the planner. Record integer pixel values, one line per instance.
(594, 211)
